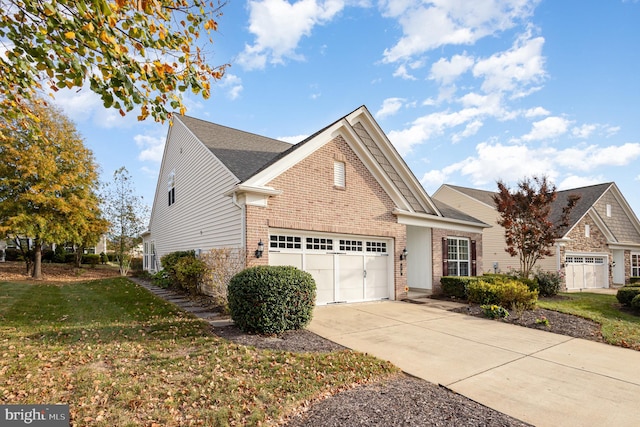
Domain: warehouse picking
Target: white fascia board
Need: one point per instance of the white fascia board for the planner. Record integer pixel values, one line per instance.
(250, 189)
(363, 115)
(433, 221)
(296, 156)
(625, 246)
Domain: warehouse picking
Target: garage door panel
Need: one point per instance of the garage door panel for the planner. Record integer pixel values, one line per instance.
(321, 268)
(586, 271)
(376, 280)
(295, 260)
(350, 278)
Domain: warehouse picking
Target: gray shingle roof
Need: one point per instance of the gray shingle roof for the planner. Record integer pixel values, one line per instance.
(243, 153)
(588, 197)
(452, 213)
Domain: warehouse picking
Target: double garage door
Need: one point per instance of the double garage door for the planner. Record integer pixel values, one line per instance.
(345, 268)
(584, 271)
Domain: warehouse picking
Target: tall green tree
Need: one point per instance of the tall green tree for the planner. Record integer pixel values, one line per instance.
(525, 213)
(129, 52)
(127, 215)
(48, 188)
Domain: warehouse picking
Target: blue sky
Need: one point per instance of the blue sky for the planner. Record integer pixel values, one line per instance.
(469, 92)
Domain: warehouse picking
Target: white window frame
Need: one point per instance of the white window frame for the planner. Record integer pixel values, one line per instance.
(171, 187)
(608, 210)
(587, 230)
(145, 256)
(457, 261)
(635, 269)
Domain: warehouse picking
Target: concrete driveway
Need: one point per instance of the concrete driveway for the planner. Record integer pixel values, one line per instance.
(542, 378)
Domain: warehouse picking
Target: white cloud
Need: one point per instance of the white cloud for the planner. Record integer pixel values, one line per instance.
(471, 129)
(547, 128)
(233, 84)
(292, 139)
(447, 71)
(536, 112)
(152, 147)
(390, 106)
(512, 162)
(278, 27)
(583, 131)
(429, 25)
(574, 181)
(517, 70)
(402, 72)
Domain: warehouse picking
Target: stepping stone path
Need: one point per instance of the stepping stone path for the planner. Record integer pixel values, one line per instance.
(182, 302)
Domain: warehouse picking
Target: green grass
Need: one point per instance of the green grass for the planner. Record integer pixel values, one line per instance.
(619, 325)
(120, 356)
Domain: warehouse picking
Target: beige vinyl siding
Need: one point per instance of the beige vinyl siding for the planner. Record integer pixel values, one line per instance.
(201, 217)
(493, 242)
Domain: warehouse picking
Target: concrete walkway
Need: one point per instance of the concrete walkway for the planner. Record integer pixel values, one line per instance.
(538, 377)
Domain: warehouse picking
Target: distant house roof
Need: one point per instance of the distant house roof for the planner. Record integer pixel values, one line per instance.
(243, 153)
(588, 197)
(450, 212)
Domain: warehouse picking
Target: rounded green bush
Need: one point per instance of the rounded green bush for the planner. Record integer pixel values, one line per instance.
(635, 302)
(505, 294)
(626, 294)
(271, 299)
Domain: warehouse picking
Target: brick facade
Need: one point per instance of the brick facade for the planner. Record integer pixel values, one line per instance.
(310, 202)
(436, 243)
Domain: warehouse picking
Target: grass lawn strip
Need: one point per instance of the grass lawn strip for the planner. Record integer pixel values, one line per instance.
(619, 326)
(120, 356)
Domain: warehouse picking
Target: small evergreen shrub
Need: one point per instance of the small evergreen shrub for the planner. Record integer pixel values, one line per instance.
(170, 260)
(91, 259)
(506, 294)
(161, 279)
(549, 283)
(635, 302)
(189, 272)
(455, 286)
(626, 294)
(634, 281)
(271, 299)
(493, 311)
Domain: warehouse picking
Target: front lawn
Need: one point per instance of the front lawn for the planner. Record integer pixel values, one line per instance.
(119, 356)
(619, 325)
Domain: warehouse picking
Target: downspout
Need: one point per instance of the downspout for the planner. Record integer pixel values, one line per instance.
(243, 220)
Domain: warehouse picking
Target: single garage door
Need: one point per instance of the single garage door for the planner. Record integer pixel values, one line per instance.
(345, 268)
(585, 271)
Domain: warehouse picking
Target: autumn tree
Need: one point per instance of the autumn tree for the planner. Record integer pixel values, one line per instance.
(525, 213)
(48, 189)
(127, 215)
(129, 52)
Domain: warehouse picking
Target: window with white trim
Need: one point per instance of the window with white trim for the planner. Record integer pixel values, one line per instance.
(635, 264)
(587, 230)
(145, 256)
(458, 256)
(380, 247)
(171, 187)
(152, 256)
(285, 242)
(351, 245)
(608, 211)
(339, 178)
(319, 244)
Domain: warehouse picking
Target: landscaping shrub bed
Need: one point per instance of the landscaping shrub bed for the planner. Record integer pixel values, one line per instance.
(505, 294)
(626, 294)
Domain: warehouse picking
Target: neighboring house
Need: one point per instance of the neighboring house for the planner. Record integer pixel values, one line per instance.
(599, 249)
(342, 205)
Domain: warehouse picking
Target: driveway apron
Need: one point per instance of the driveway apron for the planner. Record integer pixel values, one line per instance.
(536, 376)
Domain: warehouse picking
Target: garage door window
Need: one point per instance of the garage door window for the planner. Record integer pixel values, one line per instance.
(351, 245)
(378, 247)
(285, 242)
(319, 244)
(635, 265)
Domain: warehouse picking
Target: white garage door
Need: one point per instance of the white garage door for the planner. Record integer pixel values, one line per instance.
(346, 269)
(585, 271)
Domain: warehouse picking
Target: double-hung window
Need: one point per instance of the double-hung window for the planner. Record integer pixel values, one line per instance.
(635, 264)
(171, 187)
(459, 259)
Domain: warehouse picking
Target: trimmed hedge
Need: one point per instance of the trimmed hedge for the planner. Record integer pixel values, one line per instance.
(456, 286)
(626, 294)
(271, 299)
(634, 280)
(635, 302)
(506, 294)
